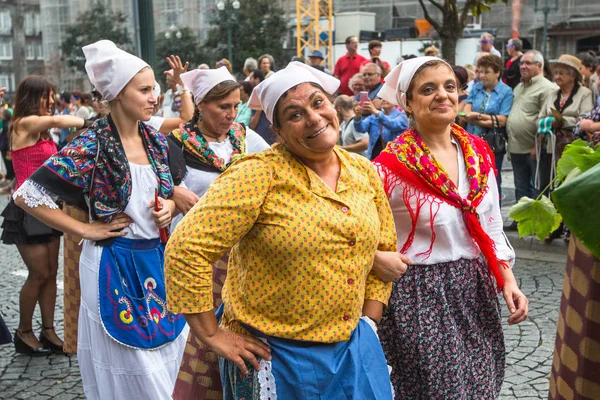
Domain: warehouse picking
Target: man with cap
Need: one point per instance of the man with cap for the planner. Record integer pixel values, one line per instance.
(129, 343)
(315, 58)
(299, 275)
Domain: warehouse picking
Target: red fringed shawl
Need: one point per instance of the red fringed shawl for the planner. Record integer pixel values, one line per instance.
(409, 159)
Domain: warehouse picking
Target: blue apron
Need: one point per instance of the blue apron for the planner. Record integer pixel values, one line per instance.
(356, 369)
(132, 295)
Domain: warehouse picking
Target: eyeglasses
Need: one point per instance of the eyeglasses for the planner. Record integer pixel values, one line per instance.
(528, 63)
(486, 41)
(560, 72)
(370, 73)
(510, 45)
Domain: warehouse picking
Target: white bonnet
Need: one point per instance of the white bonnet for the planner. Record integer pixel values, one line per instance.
(110, 68)
(202, 81)
(266, 95)
(398, 80)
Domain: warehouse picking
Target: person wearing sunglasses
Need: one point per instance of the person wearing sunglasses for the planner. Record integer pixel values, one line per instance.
(512, 72)
(486, 45)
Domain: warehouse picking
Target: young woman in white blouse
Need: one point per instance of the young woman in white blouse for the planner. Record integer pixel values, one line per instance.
(442, 331)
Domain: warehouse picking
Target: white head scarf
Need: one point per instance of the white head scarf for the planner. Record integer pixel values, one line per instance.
(398, 80)
(201, 81)
(110, 68)
(266, 95)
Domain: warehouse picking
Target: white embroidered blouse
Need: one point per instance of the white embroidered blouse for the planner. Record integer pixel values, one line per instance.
(452, 241)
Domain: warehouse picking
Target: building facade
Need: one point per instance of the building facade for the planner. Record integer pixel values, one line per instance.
(21, 50)
(573, 25)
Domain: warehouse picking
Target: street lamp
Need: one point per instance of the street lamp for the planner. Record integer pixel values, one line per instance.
(545, 6)
(230, 20)
(169, 33)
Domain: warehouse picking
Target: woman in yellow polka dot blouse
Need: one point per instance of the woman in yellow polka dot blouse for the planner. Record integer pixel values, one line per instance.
(303, 220)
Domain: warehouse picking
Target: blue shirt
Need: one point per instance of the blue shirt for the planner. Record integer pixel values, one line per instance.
(498, 102)
(387, 126)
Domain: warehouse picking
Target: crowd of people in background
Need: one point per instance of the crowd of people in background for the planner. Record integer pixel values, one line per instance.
(156, 162)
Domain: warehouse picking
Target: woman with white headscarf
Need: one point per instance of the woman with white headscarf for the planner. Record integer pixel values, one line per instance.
(303, 220)
(129, 343)
(210, 142)
(442, 332)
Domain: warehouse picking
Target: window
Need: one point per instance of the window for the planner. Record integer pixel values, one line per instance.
(40, 51)
(5, 22)
(473, 22)
(31, 24)
(8, 81)
(6, 52)
(30, 51)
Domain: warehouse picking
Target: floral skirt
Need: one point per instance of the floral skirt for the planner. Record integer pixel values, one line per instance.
(442, 333)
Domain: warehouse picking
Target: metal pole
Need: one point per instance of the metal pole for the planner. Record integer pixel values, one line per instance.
(545, 35)
(147, 40)
(229, 51)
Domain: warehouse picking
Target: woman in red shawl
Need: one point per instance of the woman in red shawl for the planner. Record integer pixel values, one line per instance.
(442, 331)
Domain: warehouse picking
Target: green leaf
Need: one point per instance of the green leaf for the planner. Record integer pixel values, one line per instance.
(535, 217)
(576, 199)
(575, 172)
(568, 160)
(587, 161)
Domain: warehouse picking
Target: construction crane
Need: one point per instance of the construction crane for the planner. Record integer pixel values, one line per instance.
(309, 32)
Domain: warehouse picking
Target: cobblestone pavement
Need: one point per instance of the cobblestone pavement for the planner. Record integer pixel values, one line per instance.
(529, 345)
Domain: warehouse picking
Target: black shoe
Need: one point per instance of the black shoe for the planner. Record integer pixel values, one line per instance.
(55, 348)
(513, 226)
(23, 348)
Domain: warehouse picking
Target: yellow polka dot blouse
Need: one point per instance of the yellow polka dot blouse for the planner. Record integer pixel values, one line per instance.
(301, 254)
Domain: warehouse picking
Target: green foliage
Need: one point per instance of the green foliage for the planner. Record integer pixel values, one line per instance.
(568, 159)
(95, 24)
(576, 200)
(187, 47)
(577, 155)
(535, 217)
(258, 27)
(453, 20)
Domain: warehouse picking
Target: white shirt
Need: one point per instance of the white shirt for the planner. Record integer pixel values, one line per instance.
(349, 135)
(198, 181)
(155, 122)
(167, 111)
(452, 241)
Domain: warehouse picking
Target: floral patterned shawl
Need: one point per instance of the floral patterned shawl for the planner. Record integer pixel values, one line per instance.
(67, 175)
(408, 158)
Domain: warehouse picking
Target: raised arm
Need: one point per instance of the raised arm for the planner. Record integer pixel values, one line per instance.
(35, 124)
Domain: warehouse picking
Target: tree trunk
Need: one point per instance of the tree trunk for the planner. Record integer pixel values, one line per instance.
(449, 47)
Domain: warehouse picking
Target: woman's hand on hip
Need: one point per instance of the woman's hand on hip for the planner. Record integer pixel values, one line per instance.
(162, 218)
(103, 230)
(390, 265)
(517, 303)
(238, 348)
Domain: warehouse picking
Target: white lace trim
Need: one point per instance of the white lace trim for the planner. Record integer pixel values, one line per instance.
(371, 324)
(266, 380)
(35, 195)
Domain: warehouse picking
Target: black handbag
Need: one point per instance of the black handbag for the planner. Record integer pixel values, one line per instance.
(35, 227)
(496, 136)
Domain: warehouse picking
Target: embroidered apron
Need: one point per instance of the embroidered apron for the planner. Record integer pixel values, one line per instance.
(133, 306)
